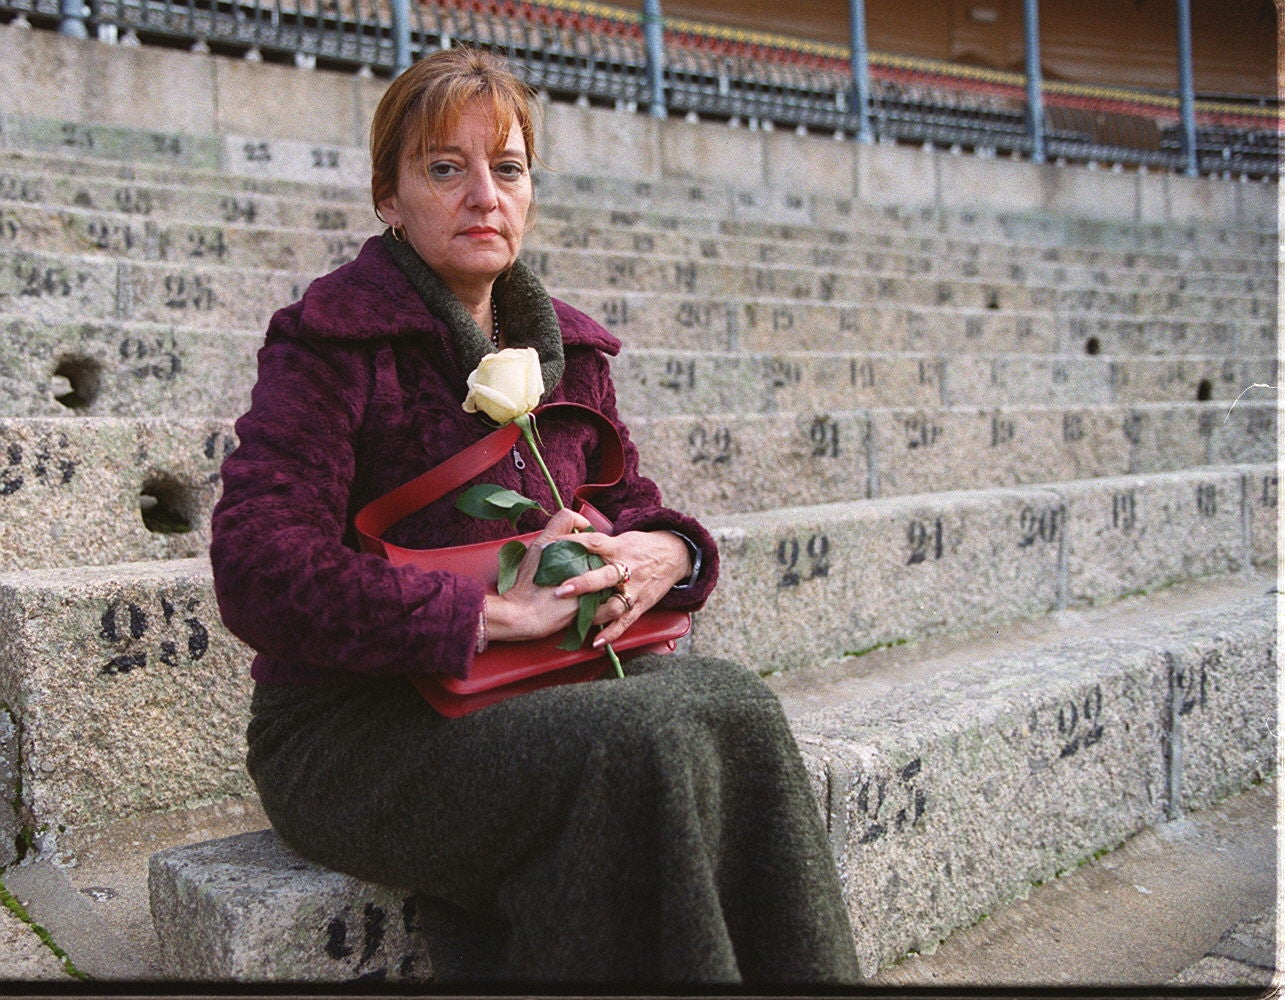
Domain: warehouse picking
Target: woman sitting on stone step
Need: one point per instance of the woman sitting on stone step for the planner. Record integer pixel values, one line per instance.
(656, 829)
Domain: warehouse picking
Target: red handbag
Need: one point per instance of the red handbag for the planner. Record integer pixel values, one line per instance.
(506, 669)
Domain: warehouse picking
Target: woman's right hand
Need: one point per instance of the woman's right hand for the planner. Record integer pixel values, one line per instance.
(527, 610)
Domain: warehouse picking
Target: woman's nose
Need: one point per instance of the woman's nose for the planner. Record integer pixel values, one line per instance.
(481, 189)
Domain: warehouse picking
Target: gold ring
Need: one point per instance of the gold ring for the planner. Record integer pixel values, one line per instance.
(623, 570)
(624, 596)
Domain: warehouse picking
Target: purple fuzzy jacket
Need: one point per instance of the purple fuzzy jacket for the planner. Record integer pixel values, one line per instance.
(360, 390)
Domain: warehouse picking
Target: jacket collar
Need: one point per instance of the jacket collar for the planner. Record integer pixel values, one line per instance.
(370, 298)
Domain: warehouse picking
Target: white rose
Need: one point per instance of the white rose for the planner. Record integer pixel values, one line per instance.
(506, 385)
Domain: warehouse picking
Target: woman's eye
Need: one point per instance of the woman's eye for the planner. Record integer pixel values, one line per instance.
(442, 168)
(511, 171)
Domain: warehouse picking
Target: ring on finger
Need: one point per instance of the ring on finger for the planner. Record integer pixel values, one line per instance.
(624, 598)
(625, 575)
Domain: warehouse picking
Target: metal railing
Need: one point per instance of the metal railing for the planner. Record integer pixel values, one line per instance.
(576, 50)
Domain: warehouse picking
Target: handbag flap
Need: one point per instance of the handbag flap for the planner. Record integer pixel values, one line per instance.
(504, 663)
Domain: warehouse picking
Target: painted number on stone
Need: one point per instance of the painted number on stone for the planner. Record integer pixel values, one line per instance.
(679, 375)
(238, 210)
(325, 159)
(1207, 499)
(861, 374)
(712, 446)
(127, 626)
(49, 462)
(1079, 723)
(47, 281)
(187, 291)
(921, 433)
(926, 541)
(1039, 525)
(823, 435)
(890, 805)
(152, 357)
(801, 561)
(1270, 492)
(1124, 510)
(1189, 688)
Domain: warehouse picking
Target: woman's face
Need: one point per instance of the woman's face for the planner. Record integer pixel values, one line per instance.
(464, 210)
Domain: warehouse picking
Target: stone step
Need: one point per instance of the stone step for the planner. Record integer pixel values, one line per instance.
(129, 695)
(128, 368)
(1004, 772)
(56, 288)
(113, 367)
(133, 228)
(100, 490)
(61, 262)
(808, 583)
(124, 369)
(772, 321)
(656, 382)
(662, 207)
(107, 490)
(728, 463)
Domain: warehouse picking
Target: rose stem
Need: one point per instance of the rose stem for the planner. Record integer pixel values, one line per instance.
(524, 422)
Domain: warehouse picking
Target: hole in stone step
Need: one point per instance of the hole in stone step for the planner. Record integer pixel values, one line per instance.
(1204, 391)
(167, 506)
(992, 299)
(77, 382)
(1092, 346)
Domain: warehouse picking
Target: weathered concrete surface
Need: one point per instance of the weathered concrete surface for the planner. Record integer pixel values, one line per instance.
(77, 492)
(1143, 915)
(24, 957)
(248, 909)
(943, 801)
(129, 694)
(816, 582)
(49, 897)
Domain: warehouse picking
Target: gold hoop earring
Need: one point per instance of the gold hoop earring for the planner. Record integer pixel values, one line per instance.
(398, 234)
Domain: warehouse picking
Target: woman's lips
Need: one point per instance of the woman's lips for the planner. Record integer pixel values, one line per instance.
(481, 231)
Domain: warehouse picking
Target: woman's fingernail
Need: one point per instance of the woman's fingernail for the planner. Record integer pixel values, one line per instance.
(599, 642)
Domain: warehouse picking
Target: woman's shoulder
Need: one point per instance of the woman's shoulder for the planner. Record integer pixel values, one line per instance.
(366, 299)
(582, 330)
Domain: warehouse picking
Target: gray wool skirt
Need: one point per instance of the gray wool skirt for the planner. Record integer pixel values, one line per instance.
(658, 829)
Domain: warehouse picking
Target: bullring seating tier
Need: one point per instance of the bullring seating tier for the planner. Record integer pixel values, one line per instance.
(901, 424)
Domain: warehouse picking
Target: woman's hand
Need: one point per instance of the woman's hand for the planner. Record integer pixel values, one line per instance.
(530, 611)
(655, 560)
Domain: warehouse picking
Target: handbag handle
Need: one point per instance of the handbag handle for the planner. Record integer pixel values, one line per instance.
(382, 513)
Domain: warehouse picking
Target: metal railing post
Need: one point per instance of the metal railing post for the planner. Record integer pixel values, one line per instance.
(859, 96)
(401, 36)
(654, 38)
(1034, 81)
(73, 14)
(1187, 89)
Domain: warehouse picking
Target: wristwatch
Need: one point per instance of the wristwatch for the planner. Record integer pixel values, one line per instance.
(696, 560)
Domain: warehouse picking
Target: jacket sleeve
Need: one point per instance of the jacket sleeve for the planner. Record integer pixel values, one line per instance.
(286, 582)
(635, 503)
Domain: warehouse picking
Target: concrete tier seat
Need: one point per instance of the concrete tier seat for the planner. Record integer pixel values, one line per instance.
(102, 490)
(129, 695)
(1004, 771)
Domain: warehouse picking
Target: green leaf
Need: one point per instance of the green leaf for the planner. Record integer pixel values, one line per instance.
(494, 503)
(511, 555)
(561, 561)
(575, 636)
